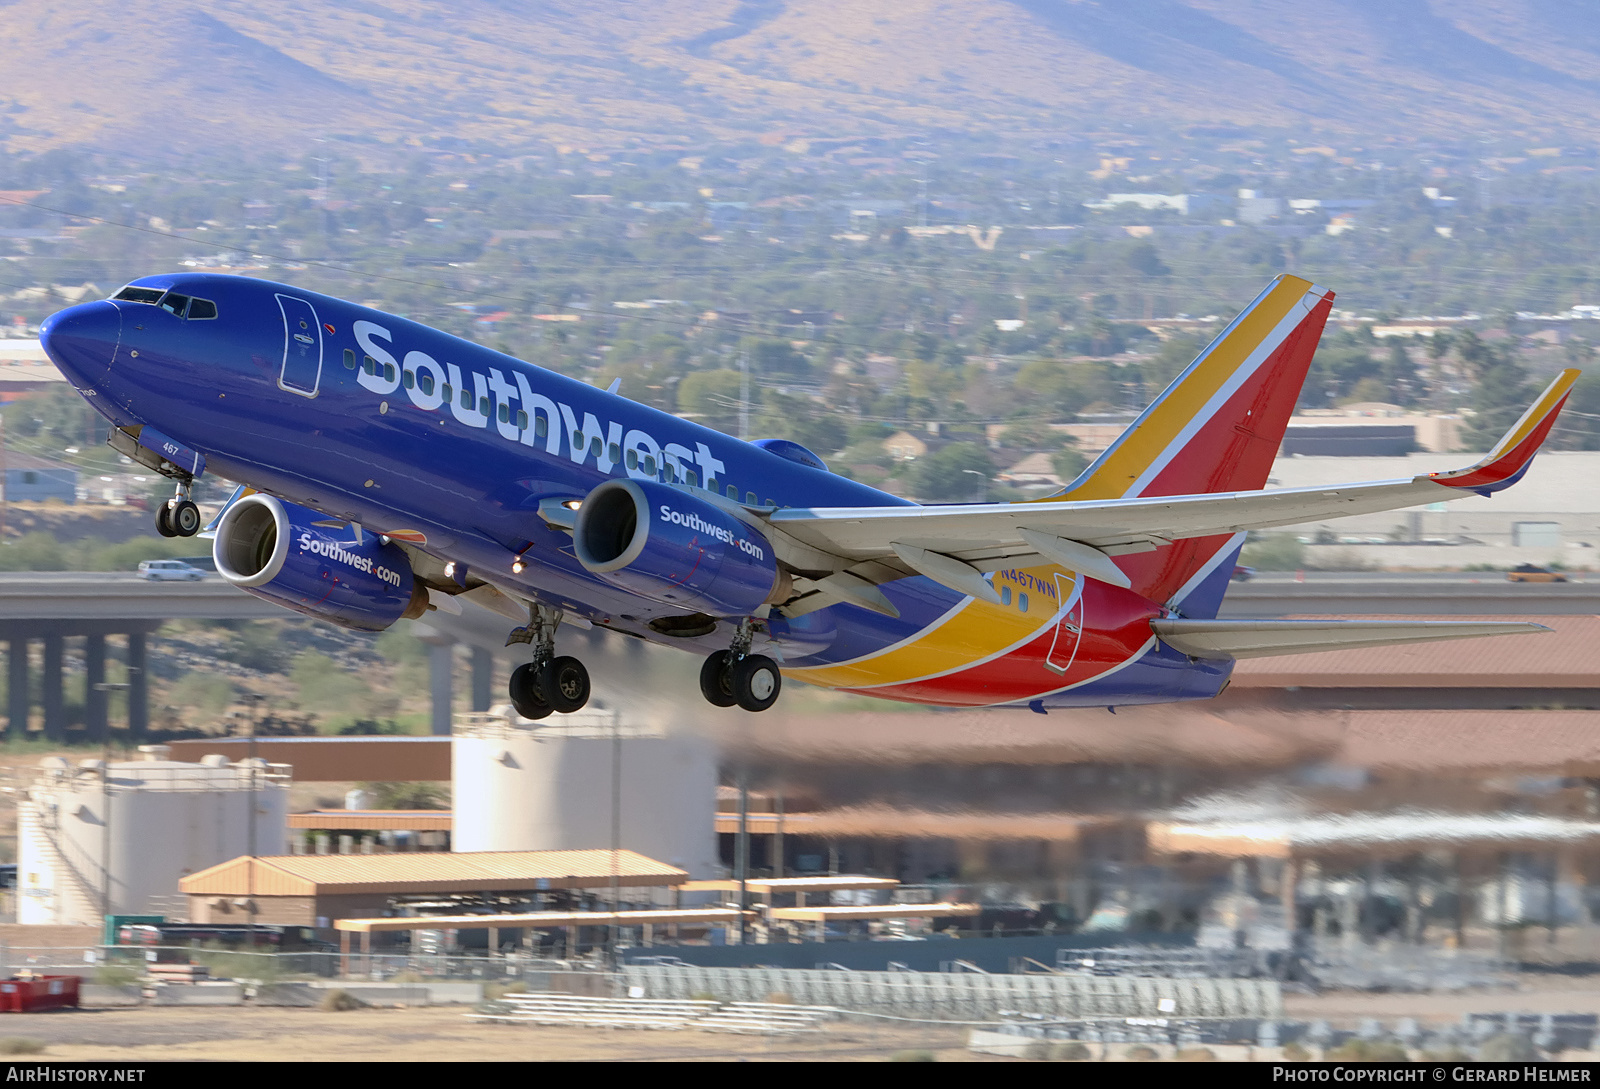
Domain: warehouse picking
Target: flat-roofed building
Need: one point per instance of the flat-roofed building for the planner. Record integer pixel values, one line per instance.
(315, 890)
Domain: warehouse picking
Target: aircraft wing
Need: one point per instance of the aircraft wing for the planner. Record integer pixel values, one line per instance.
(955, 544)
(1269, 638)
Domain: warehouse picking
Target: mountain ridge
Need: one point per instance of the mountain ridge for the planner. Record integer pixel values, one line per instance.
(135, 74)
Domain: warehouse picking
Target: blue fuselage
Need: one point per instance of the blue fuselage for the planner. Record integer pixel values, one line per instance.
(395, 426)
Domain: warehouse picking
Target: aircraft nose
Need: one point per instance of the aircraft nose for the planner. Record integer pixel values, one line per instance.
(82, 340)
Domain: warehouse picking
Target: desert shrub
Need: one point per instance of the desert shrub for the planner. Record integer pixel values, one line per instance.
(117, 975)
(913, 1057)
(1296, 1052)
(1507, 1047)
(339, 1001)
(781, 998)
(1369, 1051)
(19, 1045)
(1038, 1051)
(1142, 1054)
(1197, 1055)
(493, 992)
(1071, 1051)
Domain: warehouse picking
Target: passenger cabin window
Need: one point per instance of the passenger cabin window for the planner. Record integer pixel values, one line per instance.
(522, 420)
(369, 364)
(425, 383)
(483, 406)
(410, 379)
(505, 412)
(733, 491)
(633, 459)
(692, 478)
(649, 465)
(1005, 595)
(749, 499)
(614, 452)
(541, 427)
(349, 359)
(1022, 602)
(466, 398)
(595, 446)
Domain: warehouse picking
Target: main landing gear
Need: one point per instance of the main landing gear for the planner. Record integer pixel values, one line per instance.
(735, 676)
(548, 683)
(178, 516)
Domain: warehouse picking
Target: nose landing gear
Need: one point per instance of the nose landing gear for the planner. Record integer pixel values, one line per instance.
(178, 516)
(735, 676)
(548, 683)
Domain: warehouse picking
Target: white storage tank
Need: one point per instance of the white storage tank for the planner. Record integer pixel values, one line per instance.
(547, 786)
(138, 827)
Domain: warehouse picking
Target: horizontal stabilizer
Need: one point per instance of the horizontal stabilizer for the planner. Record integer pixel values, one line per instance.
(1266, 638)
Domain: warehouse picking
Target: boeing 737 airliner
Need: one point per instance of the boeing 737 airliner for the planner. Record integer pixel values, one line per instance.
(387, 468)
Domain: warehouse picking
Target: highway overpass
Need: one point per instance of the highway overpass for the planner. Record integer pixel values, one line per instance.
(51, 607)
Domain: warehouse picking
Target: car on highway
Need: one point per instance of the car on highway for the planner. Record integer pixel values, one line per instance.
(1241, 573)
(1527, 572)
(170, 570)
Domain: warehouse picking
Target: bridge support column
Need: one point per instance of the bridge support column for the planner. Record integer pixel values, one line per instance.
(482, 679)
(138, 687)
(54, 695)
(17, 688)
(441, 683)
(94, 698)
(441, 676)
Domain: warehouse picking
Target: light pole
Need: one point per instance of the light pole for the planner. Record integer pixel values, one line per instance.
(252, 700)
(982, 488)
(105, 805)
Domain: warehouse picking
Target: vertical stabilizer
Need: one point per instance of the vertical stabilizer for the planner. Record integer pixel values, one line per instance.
(1216, 428)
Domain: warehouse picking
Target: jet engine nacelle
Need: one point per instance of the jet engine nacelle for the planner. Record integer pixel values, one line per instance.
(274, 550)
(671, 546)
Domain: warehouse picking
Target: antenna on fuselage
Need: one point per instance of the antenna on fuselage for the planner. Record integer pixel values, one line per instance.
(616, 384)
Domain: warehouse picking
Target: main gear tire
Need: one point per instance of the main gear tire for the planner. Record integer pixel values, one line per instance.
(525, 693)
(755, 681)
(715, 684)
(564, 682)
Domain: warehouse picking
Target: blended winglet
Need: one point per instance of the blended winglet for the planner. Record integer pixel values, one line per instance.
(1504, 465)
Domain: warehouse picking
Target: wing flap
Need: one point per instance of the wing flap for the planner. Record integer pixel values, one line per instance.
(1267, 638)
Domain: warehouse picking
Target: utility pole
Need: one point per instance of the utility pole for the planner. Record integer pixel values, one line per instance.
(744, 396)
(253, 701)
(616, 828)
(741, 848)
(105, 805)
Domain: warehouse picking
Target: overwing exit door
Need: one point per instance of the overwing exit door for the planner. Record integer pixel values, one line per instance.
(302, 347)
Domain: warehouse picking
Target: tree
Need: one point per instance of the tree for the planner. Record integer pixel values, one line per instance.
(1501, 390)
(775, 357)
(947, 475)
(713, 396)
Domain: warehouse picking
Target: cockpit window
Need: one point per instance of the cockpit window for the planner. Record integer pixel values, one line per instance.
(181, 305)
(140, 294)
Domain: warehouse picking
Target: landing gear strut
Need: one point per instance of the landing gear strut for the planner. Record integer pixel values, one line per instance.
(178, 516)
(548, 683)
(735, 676)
